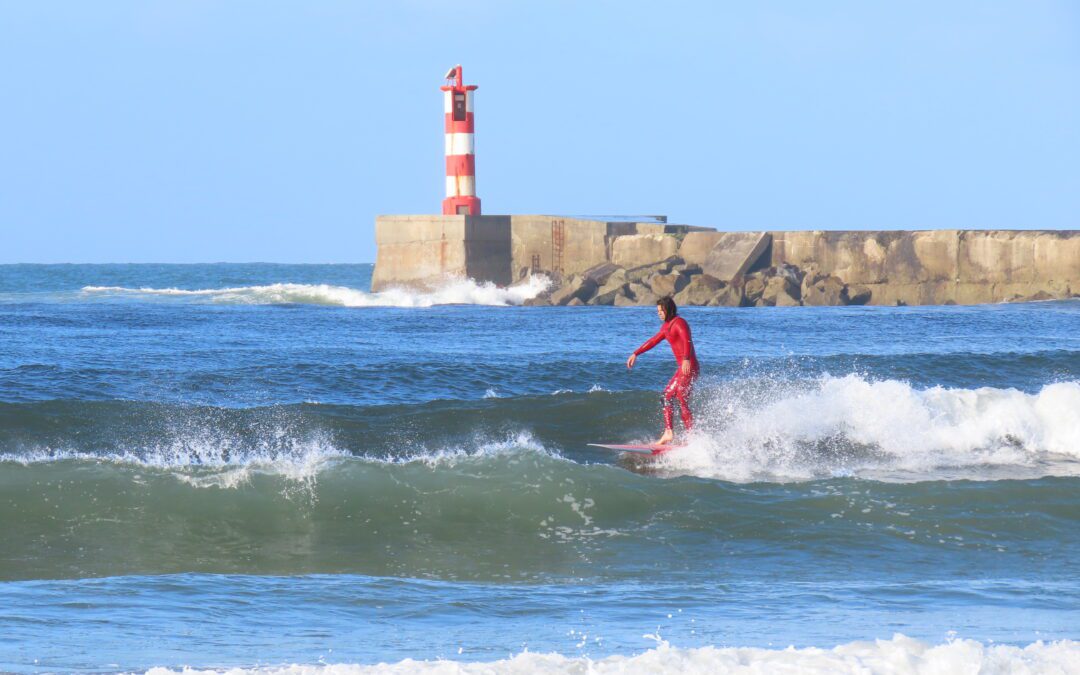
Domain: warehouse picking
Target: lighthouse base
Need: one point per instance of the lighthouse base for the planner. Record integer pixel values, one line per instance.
(423, 251)
(461, 206)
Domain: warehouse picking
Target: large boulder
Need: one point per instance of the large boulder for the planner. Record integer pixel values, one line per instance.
(753, 287)
(538, 301)
(668, 284)
(687, 268)
(793, 273)
(599, 274)
(857, 295)
(779, 290)
(785, 300)
(699, 291)
(580, 288)
(615, 281)
(822, 290)
(729, 296)
(603, 297)
(633, 250)
(641, 294)
(643, 272)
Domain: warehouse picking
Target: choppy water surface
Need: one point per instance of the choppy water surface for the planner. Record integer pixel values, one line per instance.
(262, 465)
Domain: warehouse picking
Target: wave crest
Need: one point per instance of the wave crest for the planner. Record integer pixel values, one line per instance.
(454, 291)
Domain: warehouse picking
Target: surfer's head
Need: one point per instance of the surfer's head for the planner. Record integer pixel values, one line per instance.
(666, 309)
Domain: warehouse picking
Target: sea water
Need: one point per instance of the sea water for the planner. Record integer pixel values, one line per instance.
(269, 467)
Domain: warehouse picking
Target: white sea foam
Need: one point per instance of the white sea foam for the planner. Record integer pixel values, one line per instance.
(205, 458)
(454, 291)
(854, 426)
(202, 456)
(479, 448)
(897, 656)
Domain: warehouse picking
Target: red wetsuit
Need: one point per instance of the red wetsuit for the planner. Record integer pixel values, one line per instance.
(677, 333)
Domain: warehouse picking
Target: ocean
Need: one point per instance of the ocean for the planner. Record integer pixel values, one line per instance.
(268, 468)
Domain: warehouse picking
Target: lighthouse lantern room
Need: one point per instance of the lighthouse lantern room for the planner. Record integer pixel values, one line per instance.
(461, 196)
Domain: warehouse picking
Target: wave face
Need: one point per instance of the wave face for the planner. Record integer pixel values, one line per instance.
(416, 491)
(503, 512)
(754, 430)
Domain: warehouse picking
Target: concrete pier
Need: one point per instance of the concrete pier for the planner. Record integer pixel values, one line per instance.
(881, 267)
(422, 250)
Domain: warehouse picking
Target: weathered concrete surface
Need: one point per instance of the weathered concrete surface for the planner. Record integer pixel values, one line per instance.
(422, 251)
(734, 253)
(695, 246)
(561, 246)
(642, 249)
(940, 266)
(419, 250)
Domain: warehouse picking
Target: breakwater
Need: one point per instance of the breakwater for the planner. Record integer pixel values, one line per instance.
(616, 262)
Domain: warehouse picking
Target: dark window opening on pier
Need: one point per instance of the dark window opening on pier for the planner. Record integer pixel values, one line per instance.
(459, 107)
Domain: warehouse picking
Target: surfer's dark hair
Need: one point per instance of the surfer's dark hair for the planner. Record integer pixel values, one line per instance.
(668, 305)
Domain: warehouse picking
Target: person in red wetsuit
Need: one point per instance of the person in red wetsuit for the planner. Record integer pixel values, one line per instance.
(677, 332)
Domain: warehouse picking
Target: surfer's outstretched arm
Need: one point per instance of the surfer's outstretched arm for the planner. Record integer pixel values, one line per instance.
(650, 343)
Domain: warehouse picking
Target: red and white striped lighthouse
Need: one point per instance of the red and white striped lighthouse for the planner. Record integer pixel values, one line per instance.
(460, 154)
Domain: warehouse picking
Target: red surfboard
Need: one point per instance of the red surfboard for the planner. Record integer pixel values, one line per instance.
(653, 450)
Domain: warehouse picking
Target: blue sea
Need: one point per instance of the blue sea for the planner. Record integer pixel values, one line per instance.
(269, 468)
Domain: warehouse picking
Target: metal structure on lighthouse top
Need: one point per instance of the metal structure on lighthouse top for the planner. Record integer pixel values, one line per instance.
(461, 196)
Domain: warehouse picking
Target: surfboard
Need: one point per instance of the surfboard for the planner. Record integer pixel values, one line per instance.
(652, 450)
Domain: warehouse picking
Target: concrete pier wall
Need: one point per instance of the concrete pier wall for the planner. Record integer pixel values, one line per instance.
(880, 267)
(562, 246)
(424, 250)
(934, 267)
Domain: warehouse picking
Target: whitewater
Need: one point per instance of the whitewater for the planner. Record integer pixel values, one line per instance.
(268, 468)
(453, 291)
(900, 655)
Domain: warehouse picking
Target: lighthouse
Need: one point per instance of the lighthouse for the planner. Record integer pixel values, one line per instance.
(461, 196)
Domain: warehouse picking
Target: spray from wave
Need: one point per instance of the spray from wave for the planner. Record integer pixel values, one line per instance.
(454, 291)
(752, 430)
(202, 451)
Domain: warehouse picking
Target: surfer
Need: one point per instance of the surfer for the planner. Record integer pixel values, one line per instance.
(677, 332)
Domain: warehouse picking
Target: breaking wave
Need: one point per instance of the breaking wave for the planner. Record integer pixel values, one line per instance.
(758, 429)
(853, 426)
(455, 291)
(899, 655)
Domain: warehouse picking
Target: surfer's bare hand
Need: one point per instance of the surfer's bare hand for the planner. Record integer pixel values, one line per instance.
(630, 361)
(685, 367)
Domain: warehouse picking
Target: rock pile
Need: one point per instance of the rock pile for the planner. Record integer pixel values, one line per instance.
(782, 286)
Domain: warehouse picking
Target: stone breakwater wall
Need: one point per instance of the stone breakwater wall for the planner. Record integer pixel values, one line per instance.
(622, 263)
(934, 267)
(422, 250)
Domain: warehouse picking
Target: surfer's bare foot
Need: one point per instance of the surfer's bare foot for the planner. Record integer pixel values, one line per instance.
(668, 436)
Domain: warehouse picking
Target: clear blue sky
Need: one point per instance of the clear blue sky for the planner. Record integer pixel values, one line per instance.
(190, 130)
